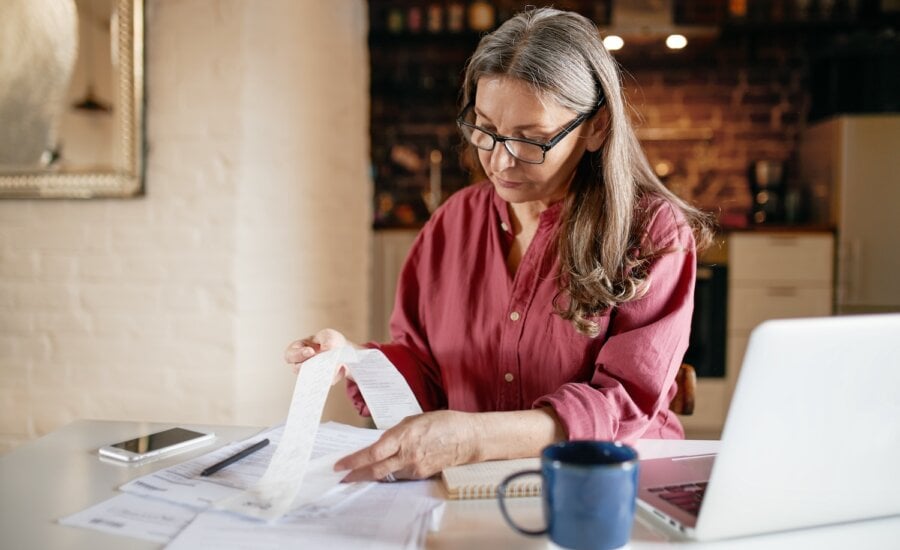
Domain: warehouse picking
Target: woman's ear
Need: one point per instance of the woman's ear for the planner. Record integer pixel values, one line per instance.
(597, 129)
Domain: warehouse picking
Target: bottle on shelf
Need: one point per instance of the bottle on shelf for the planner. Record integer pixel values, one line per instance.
(395, 20)
(737, 9)
(456, 15)
(414, 19)
(435, 18)
(481, 16)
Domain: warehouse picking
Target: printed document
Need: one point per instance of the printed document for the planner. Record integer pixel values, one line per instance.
(294, 475)
(387, 395)
(384, 517)
(133, 516)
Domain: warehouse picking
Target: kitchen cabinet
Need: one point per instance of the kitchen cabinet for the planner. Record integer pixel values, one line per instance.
(771, 275)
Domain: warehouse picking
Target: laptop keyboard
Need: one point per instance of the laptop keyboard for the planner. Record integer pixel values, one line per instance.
(688, 496)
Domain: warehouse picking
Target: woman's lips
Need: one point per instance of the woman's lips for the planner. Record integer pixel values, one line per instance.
(508, 184)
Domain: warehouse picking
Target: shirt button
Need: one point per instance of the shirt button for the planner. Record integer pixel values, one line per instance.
(504, 227)
(508, 377)
(514, 315)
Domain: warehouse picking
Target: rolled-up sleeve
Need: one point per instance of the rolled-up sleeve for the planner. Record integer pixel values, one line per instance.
(633, 381)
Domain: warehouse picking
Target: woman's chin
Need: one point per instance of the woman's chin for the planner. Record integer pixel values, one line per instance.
(512, 192)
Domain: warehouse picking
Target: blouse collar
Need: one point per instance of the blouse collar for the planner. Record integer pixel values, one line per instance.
(501, 207)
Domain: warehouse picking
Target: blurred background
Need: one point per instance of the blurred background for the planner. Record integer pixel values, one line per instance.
(291, 151)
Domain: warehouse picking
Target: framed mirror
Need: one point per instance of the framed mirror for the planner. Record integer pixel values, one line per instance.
(72, 118)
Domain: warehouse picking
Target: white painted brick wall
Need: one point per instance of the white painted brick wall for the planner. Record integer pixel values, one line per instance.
(176, 306)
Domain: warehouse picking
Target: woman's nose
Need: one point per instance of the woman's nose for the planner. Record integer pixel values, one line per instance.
(501, 158)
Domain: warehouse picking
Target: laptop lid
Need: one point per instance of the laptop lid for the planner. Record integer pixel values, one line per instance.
(813, 432)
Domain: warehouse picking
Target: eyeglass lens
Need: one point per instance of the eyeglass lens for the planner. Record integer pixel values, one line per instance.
(524, 151)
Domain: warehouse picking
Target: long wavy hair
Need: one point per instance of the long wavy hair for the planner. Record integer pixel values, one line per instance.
(602, 263)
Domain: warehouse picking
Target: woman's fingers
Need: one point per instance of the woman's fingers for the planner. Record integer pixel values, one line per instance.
(329, 339)
(372, 463)
(384, 448)
(300, 350)
(416, 448)
(377, 471)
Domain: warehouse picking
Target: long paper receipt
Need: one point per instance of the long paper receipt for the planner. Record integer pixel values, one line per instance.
(387, 395)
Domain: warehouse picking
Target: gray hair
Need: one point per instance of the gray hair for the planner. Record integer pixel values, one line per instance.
(560, 54)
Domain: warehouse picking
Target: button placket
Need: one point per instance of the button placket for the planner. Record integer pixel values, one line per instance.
(524, 286)
(512, 334)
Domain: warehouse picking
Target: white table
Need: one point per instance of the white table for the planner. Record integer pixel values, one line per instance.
(60, 474)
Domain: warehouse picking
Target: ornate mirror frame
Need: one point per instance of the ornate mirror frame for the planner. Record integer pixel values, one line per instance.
(124, 176)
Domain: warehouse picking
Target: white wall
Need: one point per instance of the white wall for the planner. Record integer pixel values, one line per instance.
(254, 230)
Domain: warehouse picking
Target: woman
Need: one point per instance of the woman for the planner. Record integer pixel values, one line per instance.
(554, 300)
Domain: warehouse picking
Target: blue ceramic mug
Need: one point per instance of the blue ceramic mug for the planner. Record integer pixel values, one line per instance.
(589, 490)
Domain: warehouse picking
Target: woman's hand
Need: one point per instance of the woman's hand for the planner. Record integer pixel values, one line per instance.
(417, 448)
(301, 350)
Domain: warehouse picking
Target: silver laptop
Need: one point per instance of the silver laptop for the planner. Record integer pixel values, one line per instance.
(812, 435)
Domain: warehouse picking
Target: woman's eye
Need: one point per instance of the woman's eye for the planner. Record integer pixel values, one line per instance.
(538, 139)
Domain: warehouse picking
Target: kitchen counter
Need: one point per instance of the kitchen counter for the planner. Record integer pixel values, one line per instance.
(785, 228)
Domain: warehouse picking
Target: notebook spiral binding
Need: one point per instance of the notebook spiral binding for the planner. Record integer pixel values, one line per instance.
(490, 490)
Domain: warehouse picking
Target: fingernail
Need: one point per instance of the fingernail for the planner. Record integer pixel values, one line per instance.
(297, 345)
(306, 352)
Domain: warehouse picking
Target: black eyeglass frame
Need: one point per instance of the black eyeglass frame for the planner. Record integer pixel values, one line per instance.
(545, 146)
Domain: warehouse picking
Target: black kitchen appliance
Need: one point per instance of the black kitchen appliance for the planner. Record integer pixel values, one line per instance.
(706, 350)
(767, 189)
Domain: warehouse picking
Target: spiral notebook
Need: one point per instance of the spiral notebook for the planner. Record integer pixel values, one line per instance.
(480, 480)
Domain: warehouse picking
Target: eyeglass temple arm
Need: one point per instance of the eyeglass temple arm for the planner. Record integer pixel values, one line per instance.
(575, 123)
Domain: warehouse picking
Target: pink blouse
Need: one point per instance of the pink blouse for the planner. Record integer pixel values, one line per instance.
(470, 336)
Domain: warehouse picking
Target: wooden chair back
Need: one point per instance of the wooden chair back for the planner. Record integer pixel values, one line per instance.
(686, 381)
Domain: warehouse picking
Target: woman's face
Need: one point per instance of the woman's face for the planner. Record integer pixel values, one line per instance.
(510, 107)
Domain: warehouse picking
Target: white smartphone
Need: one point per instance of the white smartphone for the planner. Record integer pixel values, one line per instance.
(156, 444)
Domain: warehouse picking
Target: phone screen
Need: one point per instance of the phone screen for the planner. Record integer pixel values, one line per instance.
(159, 440)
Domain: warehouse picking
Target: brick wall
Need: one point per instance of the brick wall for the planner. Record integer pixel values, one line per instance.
(736, 102)
(176, 306)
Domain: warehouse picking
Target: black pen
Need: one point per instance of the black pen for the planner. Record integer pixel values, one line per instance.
(234, 458)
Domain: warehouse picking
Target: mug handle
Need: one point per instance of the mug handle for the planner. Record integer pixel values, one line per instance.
(501, 496)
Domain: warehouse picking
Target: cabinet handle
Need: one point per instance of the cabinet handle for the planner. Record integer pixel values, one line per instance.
(781, 291)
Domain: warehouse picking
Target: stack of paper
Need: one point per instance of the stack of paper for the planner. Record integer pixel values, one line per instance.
(286, 494)
(389, 516)
(175, 505)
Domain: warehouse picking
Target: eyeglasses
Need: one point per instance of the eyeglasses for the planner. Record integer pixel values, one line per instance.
(526, 150)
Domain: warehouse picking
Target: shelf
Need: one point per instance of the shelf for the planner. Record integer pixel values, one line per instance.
(467, 39)
(810, 27)
(674, 134)
(402, 92)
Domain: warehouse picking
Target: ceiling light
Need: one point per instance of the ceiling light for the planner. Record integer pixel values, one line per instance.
(648, 22)
(613, 42)
(676, 41)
